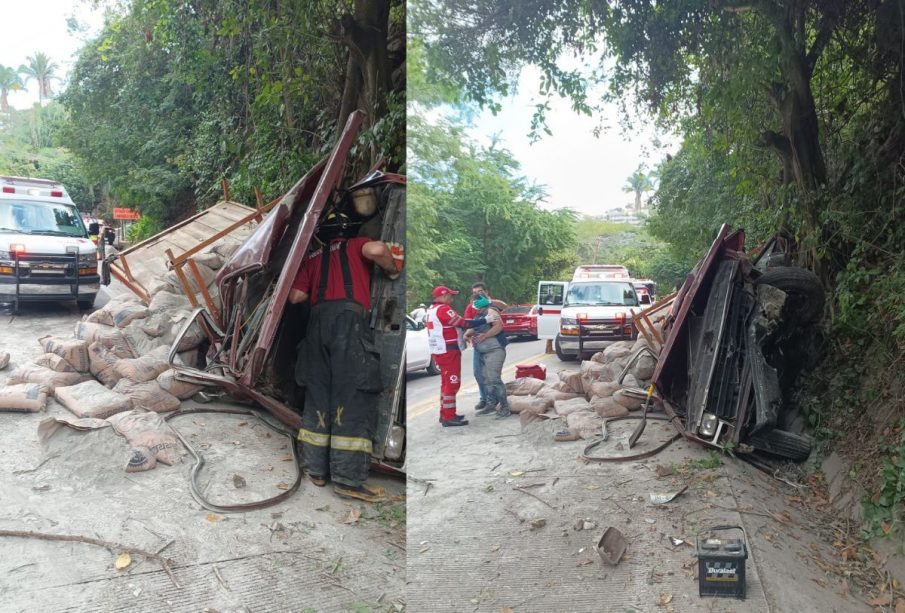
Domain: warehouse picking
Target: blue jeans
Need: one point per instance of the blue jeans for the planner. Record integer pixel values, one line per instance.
(478, 370)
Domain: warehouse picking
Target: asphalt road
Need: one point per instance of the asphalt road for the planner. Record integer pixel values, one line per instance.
(423, 390)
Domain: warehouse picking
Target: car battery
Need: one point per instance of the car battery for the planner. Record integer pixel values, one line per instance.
(721, 563)
(530, 370)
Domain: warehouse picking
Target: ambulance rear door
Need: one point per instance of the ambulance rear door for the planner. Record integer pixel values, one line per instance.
(550, 298)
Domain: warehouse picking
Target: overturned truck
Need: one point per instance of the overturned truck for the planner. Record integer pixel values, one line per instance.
(740, 331)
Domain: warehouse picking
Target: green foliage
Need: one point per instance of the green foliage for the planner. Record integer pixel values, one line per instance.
(713, 460)
(144, 228)
(883, 511)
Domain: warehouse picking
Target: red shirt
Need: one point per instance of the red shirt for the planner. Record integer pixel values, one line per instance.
(308, 277)
(470, 311)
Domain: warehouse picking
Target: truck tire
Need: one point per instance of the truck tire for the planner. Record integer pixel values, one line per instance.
(782, 443)
(802, 286)
(563, 357)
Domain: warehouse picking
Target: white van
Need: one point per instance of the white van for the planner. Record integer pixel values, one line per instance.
(585, 315)
(45, 252)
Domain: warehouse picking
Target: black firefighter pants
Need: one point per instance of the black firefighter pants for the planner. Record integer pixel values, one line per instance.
(340, 370)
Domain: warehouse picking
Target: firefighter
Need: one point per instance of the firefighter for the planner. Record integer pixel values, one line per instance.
(337, 362)
(445, 336)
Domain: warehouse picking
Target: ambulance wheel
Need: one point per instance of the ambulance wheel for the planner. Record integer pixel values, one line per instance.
(563, 357)
(432, 368)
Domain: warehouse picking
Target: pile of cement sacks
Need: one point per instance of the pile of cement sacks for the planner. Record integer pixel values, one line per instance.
(116, 360)
(582, 399)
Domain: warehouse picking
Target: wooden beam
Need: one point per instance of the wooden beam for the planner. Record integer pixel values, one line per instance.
(640, 325)
(225, 185)
(128, 272)
(259, 202)
(211, 307)
(133, 287)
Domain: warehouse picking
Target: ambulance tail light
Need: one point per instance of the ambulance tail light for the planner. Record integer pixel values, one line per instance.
(56, 194)
(9, 190)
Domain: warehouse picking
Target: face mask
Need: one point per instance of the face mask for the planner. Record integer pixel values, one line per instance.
(481, 303)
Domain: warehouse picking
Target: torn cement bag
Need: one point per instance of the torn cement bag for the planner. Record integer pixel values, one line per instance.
(73, 351)
(225, 249)
(156, 325)
(148, 395)
(643, 368)
(207, 277)
(585, 424)
(4, 360)
(564, 407)
(54, 363)
(571, 381)
(128, 313)
(524, 386)
(631, 381)
(24, 397)
(552, 394)
(603, 388)
(100, 316)
(32, 373)
(164, 301)
(517, 404)
(146, 429)
(139, 343)
(50, 425)
(103, 361)
(590, 373)
(140, 460)
(617, 350)
(209, 259)
(159, 285)
(630, 402)
(139, 370)
(193, 336)
(91, 399)
(181, 389)
(108, 336)
(607, 407)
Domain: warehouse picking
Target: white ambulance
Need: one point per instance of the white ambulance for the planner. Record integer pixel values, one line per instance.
(45, 252)
(584, 315)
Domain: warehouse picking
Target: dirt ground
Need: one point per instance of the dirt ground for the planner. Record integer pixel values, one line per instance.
(305, 554)
(493, 510)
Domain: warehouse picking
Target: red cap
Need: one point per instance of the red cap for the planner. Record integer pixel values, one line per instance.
(442, 290)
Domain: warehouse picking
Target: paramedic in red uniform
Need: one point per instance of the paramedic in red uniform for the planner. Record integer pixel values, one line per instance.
(445, 330)
(337, 361)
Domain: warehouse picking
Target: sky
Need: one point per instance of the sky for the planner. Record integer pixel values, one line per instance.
(579, 170)
(40, 25)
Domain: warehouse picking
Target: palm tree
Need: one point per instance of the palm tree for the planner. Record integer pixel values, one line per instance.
(639, 183)
(9, 82)
(39, 68)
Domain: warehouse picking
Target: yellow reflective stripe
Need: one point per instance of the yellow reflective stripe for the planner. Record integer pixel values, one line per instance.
(351, 443)
(314, 438)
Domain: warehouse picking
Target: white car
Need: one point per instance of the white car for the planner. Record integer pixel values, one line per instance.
(417, 350)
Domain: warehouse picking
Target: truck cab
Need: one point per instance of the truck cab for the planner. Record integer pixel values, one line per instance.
(45, 252)
(593, 310)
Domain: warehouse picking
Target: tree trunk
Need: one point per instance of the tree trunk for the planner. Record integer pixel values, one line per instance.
(637, 201)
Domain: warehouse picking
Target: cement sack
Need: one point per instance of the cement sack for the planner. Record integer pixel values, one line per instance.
(225, 249)
(191, 358)
(603, 389)
(139, 370)
(165, 301)
(103, 361)
(631, 381)
(193, 337)
(617, 350)
(632, 403)
(91, 399)
(524, 386)
(598, 357)
(643, 368)
(140, 460)
(140, 344)
(209, 259)
(73, 351)
(585, 424)
(571, 381)
(146, 429)
(641, 342)
(181, 389)
(159, 285)
(155, 325)
(32, 373)
(591, 372)
(149, 396)
(4, 360)
(207, 277)
(128, 313)
(24, 397)
(552, 394)
(565, 407)
(108, 336)
(518, 404)
(54, 363)
(607, 407)
(100, 316)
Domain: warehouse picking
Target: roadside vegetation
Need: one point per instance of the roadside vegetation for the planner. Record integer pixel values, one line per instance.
(792, 119)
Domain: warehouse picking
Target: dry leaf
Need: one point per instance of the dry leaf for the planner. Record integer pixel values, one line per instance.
(783, 517)
(880, 601)
(238, 481)
(885, 527)
(424, 549)
(665, 599)
(212, 517)
(283, 486)
(900, 605)
(538, 523)
(664, 471)
(494, 547)
(517, 473)
(353, 516)
(507, 610)
(286, 458)
(122, 561)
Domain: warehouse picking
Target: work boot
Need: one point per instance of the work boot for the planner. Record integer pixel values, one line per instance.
(365, 492)
(451, 423)
(317, 480)
(503, 412)
(457, 417)
(480, 405)
(489, 409)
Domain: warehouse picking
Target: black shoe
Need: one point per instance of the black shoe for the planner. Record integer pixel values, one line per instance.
(488, 409)
(502, 413)
(480, 405)
(450, 423)
(457, 418)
